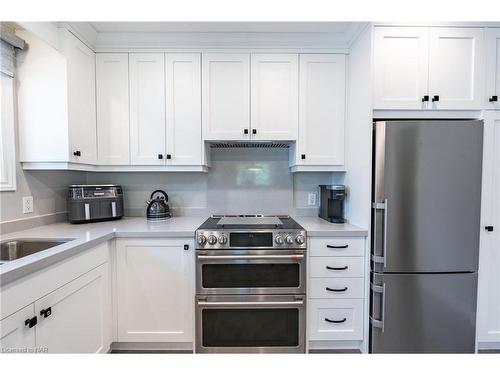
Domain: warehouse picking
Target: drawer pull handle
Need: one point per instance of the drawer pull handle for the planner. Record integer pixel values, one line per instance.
(336, 290)
(335, 321)
(337, 246)
(337, 268)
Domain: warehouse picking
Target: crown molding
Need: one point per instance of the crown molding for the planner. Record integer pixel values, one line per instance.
(83, 31)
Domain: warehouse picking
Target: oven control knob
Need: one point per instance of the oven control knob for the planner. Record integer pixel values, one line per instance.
(212, 240)
(300, 239)
(279, 240)
(222, 239)
(201, 239)
(289, 240)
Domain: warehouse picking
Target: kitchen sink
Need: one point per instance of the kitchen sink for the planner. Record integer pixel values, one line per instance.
(18, 248)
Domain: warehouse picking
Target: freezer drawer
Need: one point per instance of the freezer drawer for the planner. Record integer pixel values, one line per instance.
(423, 313)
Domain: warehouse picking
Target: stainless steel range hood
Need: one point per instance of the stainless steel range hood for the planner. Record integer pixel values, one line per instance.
(249, 144)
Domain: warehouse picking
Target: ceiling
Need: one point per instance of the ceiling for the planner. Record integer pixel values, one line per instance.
(230, 27)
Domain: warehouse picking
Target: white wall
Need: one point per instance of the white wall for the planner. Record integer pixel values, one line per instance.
(48, 188)
(359, 130)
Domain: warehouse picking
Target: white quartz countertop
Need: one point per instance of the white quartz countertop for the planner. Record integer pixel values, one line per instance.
(86, 236)
(317, 227)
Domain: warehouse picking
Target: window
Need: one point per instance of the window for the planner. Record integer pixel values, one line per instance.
(9, 42)
(7, 138)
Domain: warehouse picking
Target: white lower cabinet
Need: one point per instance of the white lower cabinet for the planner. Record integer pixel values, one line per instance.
(15, 334)
(336, 293)
(63, 309)
(336, 287)
(488, 330)
(336, 319)
(73, 318)
(155, 290)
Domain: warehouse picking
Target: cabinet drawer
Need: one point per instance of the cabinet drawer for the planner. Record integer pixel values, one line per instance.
(336, 267)
(335, 319)
(337, 246)
(336, 287)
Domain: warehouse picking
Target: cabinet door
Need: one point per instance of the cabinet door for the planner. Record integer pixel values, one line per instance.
(79, 320)
(15, 334)
(183, 74)
(275, 96)
(400, 67)
(81, 99)
(493, 68)
(155, 290)
(112, 108)
(322, 110)
(456, 67)
(489, 258)
(147, 108)
(226, 96)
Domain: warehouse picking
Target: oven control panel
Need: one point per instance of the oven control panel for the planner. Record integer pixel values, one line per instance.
(207, 239)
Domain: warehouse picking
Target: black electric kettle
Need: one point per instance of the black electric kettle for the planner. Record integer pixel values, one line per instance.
(158, 209)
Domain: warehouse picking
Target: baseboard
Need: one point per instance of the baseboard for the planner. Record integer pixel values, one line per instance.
(31, 222)
(151, 347)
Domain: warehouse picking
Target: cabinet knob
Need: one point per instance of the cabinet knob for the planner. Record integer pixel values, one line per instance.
(169, 156)
(425, 98)
(303, 156)
(46, 312)
(186, 247)
(245, 131)
(493, 99)
(31, 322)
(489, 228)
(435, 98)
(254, 131)
(160, 156)
(77, 153)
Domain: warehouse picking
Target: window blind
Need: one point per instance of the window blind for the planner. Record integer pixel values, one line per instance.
(9, 41)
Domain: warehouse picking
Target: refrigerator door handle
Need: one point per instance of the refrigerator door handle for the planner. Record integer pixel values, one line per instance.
(381, 259)
(375, 322)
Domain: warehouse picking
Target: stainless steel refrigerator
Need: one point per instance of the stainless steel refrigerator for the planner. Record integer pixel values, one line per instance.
(425, 235)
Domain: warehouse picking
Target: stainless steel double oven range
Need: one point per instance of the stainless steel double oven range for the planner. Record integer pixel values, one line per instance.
(250, 285)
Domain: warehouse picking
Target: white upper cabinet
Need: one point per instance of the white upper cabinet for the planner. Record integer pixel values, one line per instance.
(493, 68)
(274, 99)
(456, 68)
(400, 67)
(56, 100)
(81, 99)
(428, 68)
(226, 96)
(147, 108)
(322, 86)
(183, 108)
(112, 108)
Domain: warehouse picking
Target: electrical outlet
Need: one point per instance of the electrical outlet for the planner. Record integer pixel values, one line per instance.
(27, 205)
(311, 199)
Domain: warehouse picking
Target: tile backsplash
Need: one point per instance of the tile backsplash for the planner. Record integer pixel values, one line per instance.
(238, 181)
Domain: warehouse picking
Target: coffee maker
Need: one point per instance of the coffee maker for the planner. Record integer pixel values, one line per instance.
(332, 203)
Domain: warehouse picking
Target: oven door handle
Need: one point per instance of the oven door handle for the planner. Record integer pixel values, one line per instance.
(213, 257)
(260, 303)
